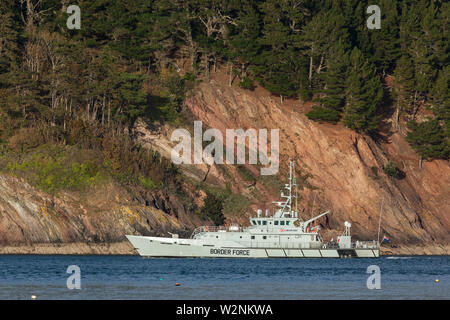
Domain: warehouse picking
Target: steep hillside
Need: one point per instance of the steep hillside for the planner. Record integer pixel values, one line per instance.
(343, 170)
(97, 221)
(346, 168)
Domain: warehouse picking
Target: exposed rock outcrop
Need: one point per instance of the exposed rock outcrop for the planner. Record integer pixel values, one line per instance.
(102, 216)
(346, 168)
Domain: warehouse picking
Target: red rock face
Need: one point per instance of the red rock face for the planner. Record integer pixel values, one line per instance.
(102, 216)
(346, 168)
(346, 177)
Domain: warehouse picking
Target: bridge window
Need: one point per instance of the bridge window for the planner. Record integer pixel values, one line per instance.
(287, 222)
(281, 223)
(276, 223)
(264, 222)
(253, 222)
(253, 237)
(259, 222)
(264, 237)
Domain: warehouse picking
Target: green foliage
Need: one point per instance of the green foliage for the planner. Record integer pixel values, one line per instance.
(213, 208)
(323, 114)
(332, 98)
(428, 139)
(440, 98)
(374, 171)
(9, 37)
(71, 86)
(405, 83)
(246, 83)
(51, 169)
(148, 183)
(364, 94)
(384, 43)
(304, 91)
(392, 170)
(245, 173)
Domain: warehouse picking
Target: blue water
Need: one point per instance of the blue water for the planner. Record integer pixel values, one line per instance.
(132, 277)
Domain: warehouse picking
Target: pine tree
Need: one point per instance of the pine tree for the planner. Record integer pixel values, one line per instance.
(213, 208)
(385, 41)
(277, 66)
(332, 98)
(428, 139)
(9, 37)
(325, 29)
(364, 94)
(440, 99)
(244, 44)
(404, 84)
(425, 73)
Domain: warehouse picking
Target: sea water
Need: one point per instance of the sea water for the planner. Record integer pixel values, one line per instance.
(133, 277)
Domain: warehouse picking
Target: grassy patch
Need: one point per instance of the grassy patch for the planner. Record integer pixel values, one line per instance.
(52, 168)
(148, 183)
(245, 173)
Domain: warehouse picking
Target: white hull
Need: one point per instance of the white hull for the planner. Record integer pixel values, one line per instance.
(193, 248)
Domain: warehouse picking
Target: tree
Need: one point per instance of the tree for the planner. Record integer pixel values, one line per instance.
(440, 98)
(428, 139)
(243, 42)
(9, 37)
(325, 29)
(332, 97)
(404, 89)
(385, 41)
(364, 94)
(213, 208)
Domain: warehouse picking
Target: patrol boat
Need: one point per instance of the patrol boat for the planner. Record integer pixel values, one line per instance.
(281, 235)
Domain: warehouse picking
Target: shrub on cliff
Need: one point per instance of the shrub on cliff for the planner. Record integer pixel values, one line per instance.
(428, 139)
(392, 170)
(213, 208)
(52, 169)
(246, 83)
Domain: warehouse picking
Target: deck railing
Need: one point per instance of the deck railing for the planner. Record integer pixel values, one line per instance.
(216, 229)
(354, 245)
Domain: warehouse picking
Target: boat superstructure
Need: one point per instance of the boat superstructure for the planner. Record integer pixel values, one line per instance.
(280, 235)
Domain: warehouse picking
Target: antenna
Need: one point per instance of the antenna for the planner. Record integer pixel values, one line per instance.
(296, 191)
(379, 221)
(314, 201)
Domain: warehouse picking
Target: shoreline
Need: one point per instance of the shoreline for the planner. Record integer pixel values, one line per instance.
(74, 248)
(125, 248)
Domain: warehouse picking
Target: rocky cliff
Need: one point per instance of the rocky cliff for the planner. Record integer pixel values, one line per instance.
(345, 168)
(344, 173)
(94, 222)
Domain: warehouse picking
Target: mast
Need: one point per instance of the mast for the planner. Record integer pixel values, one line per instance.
(379, 220)
(286, 206)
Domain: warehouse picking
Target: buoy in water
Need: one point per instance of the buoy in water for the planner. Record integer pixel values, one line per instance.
(437, 280)
(177, 284)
